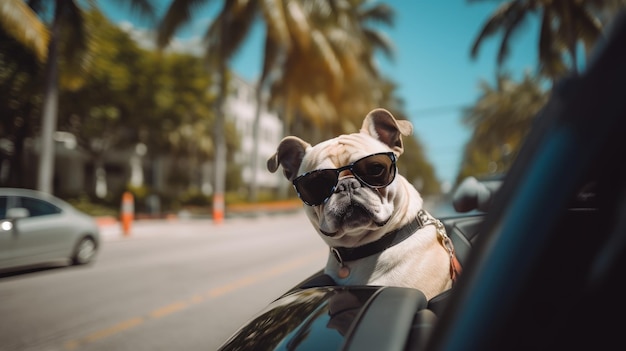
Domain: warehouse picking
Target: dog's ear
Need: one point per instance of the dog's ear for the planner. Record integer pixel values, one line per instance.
(289, 154)
(381, 124)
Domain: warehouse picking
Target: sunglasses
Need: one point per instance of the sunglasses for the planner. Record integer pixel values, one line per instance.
(375, 171)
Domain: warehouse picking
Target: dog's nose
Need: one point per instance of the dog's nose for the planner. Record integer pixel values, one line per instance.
(347, 183)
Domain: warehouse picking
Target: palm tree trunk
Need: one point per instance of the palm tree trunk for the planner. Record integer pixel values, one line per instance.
(219, 135)
(264, 84)
(220, 149)
(50, 109)
(254, 157)
(16, 164)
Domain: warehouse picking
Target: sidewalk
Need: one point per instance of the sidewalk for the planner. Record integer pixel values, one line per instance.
(111, 227)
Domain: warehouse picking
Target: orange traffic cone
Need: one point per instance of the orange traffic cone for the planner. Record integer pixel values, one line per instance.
(218, 208)
(128, 212)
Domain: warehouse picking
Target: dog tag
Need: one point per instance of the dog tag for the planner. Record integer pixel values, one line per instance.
(344, 272)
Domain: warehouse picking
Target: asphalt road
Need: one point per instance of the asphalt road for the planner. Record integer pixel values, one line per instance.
(170, 285)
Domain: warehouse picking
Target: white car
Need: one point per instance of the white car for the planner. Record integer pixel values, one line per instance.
(37, 228)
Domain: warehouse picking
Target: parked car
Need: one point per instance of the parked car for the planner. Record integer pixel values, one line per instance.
(38, 229)
(542, 266)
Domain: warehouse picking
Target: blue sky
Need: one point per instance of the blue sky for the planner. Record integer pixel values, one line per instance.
(432, 67)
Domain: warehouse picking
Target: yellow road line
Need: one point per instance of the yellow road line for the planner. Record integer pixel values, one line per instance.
(169, 309)
(133, 322)
(178, 306)
(101, 334)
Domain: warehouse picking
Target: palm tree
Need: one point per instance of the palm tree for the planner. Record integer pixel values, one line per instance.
(503, 114)
(331, 69)
(564, 24)
(372, 40)
(339, 78)
(500, 120)
(366, 89)
(289, 29)
(67, 32)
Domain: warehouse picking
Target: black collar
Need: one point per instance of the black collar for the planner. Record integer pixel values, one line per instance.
(344, 254)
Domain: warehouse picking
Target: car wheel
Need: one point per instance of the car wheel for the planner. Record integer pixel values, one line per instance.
(84, 252)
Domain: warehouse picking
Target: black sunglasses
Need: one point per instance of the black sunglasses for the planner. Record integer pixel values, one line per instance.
(375, 171)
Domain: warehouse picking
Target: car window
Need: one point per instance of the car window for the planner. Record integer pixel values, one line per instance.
(38, 207)
(7, 202)
(3, 207)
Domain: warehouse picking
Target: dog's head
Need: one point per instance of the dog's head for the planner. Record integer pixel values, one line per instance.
(349, 184)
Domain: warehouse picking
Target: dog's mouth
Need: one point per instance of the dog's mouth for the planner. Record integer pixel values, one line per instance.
(353, 216)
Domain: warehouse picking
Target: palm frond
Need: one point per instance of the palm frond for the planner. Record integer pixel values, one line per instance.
(380, 13)
(178, 13)
(511, 26)
(227, 32)
(492, 26)
(276, 20)
(21, 22)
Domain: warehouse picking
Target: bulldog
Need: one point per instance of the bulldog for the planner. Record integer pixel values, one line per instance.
(370, 216)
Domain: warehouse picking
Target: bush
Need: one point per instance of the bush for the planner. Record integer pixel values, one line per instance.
(83, 203)
(195, 198)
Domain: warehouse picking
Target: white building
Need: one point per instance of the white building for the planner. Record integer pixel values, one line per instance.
(240, 108)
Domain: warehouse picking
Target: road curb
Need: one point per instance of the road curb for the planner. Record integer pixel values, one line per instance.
(111, 227)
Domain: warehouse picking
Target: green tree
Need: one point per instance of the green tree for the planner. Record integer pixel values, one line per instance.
(136, 96)
(104, 108)
(20, 101)
(66, 38)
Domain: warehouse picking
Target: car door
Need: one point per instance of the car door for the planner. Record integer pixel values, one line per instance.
(38, 237)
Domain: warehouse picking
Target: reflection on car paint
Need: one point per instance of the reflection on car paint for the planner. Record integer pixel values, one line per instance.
(327, 313)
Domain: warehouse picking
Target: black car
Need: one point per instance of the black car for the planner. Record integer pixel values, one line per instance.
(542, 267)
